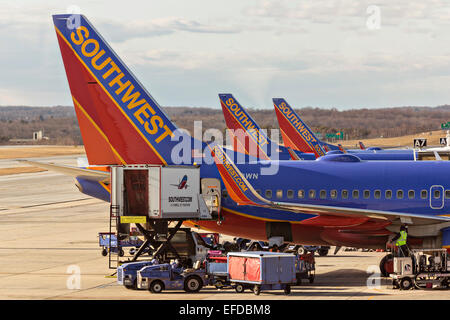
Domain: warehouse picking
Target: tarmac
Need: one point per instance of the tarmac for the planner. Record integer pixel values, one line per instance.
(49, 234)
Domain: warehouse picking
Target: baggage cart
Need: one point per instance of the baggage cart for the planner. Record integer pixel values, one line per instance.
(261, 270)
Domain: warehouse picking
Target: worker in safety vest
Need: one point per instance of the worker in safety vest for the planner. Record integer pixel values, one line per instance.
(400, 241)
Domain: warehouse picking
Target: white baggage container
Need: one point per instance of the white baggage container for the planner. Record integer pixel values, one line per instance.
(158, 192)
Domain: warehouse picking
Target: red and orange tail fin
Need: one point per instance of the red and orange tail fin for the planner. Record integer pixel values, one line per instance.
(362, 146)
(245, 133)
(120, 121)
(294, 131)
(341, 148)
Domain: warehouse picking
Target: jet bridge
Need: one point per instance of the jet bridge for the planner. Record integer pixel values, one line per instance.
(152, 197)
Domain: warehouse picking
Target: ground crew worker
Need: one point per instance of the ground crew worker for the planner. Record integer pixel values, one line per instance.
(400, 241)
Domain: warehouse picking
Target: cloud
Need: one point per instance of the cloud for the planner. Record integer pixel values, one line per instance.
(122, 31)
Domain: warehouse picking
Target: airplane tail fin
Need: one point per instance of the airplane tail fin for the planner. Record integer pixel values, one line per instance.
(120, 122)
(294, 131)
(341, 148)
(362, 146)
(245, 131)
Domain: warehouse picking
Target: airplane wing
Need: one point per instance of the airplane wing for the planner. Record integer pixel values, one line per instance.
(91, 174)
(243, 193)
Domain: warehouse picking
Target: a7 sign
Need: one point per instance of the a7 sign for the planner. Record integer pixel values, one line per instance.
(420, 143)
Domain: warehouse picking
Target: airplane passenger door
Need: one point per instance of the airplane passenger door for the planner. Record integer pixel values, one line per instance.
(436, 197)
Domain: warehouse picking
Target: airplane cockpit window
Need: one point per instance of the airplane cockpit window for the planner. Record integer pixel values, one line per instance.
(366, 194)
(333, 194)
(423, 194)
(323, 194)
(377, 194)
(290, 194)
(355, 194)
(301, 194)
(388, 194)
(399, 194)
(411, 194)
(344, 194)
(279, 194)
(447, 194)
(269, 194)
(312, 194)
(437, 194)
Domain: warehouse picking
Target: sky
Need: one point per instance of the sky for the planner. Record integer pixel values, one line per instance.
(340, 54)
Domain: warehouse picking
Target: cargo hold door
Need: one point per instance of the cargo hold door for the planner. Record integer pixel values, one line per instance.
(136, 192)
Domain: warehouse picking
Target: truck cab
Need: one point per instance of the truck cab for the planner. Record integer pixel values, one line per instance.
(127, 273)
(190, 246)
(157, 278)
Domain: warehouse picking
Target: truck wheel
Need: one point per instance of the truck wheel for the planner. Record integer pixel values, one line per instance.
(239, 288)
(192, 284)
(104, 252)
(287, 289)
(323, 252)
(156, 286)
(132, 286)
(256, 290)
(406, 283)
(219, 284)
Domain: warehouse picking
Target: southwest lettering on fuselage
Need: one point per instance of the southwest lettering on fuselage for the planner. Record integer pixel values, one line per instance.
(230, 169)
(247, 123)
(125, 90)
(295, 121)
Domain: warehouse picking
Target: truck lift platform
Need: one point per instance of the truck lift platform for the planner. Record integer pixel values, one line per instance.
(157, 200)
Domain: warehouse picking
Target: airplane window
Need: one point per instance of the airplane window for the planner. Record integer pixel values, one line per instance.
(279, 194)
(424, 194)
(224, 193)
(269, 194)
(377, 194)
(323, 194)
(366, 194)
(447, 194)
(388, 194)
(301, 194)
(411, 194)
(258, 191)
(312, 194)
(399, 194)
(290, 194)
(344, 194)
(437, 194)
(333, 194)
(355, 194)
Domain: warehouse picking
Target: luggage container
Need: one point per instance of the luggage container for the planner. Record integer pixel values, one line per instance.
(260, 270)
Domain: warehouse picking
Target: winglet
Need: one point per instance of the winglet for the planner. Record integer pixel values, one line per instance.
(238, 187)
